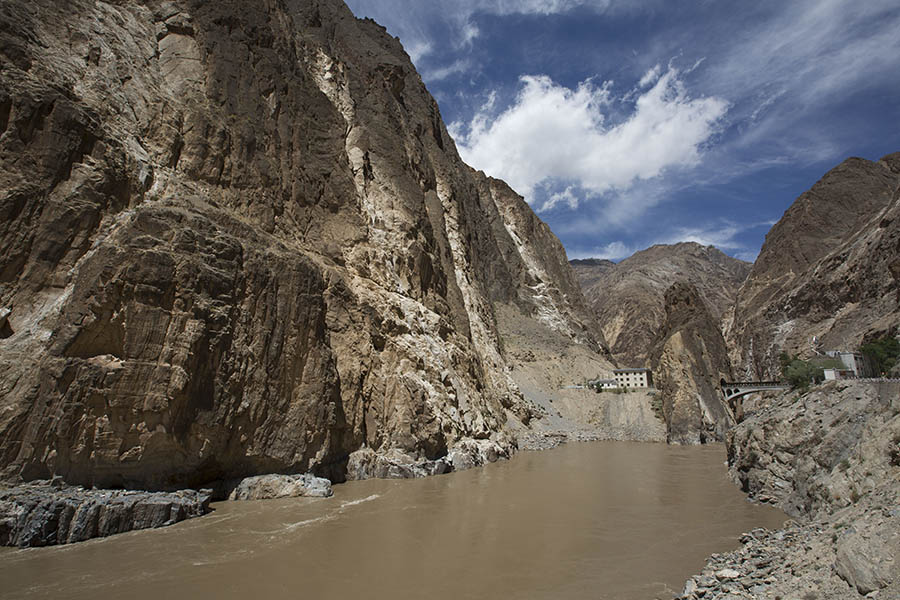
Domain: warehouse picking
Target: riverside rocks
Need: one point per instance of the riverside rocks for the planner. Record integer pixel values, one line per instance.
(826, 457)
(45, 513)
(365, 463)
(265, 487)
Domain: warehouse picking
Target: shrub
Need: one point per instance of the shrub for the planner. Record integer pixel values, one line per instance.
(800, 373)
(883, 352)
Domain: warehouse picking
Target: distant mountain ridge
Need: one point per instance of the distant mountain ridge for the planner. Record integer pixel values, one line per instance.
(628, 298)
(830, 268)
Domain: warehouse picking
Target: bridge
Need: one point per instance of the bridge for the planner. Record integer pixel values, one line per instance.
(736, 389)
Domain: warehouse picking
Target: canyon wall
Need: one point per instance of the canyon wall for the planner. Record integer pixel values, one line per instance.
(238, 239)
(830, 269)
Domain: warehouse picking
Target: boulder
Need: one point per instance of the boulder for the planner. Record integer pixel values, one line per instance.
(866, 564)
(265, 487)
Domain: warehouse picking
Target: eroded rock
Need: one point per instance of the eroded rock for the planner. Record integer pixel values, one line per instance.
(239, 239)
(49, 513)
(266, 487)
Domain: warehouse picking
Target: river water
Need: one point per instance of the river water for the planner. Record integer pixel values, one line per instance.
(603, 520)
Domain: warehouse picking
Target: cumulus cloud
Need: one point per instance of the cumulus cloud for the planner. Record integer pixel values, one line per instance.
(551, 132)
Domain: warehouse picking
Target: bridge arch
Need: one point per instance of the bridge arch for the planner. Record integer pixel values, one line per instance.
(732, 390)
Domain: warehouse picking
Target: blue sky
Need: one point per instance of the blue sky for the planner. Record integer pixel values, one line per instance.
(626, 123)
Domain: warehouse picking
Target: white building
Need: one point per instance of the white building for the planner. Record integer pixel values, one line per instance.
(605, 384)
(633, 378)
(856, 362)
(833, 374)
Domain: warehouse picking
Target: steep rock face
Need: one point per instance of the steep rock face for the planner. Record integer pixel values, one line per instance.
(831, 459)
(238, 240)
(689, 360)
(829, 268)
(628, 298)
(591, 271)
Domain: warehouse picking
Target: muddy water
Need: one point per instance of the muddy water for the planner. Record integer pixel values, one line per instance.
(594, 520)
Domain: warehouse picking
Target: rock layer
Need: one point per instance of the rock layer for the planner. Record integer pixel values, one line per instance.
(238, 240)
(49, 513)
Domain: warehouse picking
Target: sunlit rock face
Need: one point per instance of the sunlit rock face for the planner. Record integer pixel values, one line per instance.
(829, 269)
(690, 359)
(628, 297)
(237, 239)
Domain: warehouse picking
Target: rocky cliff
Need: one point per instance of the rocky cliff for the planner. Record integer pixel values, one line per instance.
(829, 268)
(628, 298)
(237, 239)
(831, 459)
(689, 359)
(662, 308)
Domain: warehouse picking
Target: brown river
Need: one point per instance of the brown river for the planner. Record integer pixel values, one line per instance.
(603, 520)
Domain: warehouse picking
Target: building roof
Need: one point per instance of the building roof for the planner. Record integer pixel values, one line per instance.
(604, 381)
(641, 370)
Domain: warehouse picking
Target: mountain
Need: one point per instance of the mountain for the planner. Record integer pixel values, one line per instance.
(628, 298)
(662, 308)
(689, 359)
(237, 239)
(830, 268)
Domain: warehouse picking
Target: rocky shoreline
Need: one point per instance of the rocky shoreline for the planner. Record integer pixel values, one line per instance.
(830, 458)
(45, 513)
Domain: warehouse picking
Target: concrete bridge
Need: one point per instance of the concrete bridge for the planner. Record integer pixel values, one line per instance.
(736, 389)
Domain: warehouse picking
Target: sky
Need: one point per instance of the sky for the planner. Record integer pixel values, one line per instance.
(628, 123)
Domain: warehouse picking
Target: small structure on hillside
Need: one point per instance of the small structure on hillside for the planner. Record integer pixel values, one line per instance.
(835, 374)
(633, 378)
(856, 362)
(624, 379)
(604, 384)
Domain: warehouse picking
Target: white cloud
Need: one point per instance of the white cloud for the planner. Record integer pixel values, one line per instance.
(440, 73)
(551, 132)
(650, 76)
(417, 48)
(785, 71)
(722, 237)
(612, 251)
(566, 197)
(405, 18)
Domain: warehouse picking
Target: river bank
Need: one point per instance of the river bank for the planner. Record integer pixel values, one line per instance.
(830, 458)
(609, 520)
(42, 514)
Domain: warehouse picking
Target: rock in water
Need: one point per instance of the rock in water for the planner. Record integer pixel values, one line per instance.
(265, 487)
(45, 513)
(237, 239)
